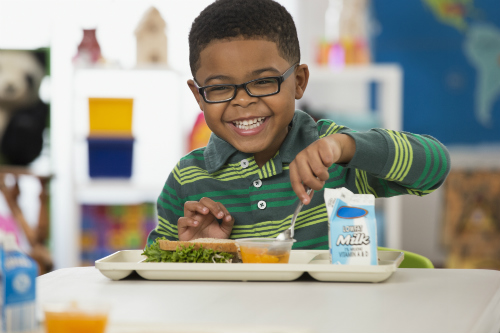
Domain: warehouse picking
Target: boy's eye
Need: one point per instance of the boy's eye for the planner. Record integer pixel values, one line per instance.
(217, 88)
(265, 81)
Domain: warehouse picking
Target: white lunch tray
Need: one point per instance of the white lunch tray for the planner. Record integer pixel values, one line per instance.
(315, 262)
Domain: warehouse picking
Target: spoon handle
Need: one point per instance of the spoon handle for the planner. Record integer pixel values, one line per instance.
(297, 211)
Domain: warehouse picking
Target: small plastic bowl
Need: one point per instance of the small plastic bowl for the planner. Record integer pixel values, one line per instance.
(264, 250)
(73, 316)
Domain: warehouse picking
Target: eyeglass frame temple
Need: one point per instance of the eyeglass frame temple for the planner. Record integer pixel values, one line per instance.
(281, 79)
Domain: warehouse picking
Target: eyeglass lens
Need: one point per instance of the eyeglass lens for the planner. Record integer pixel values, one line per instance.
(265, 86)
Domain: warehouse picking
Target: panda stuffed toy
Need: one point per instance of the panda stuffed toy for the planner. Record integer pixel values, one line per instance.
(23, 116)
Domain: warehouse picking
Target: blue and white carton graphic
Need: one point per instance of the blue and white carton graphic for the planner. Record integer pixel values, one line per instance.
(352, 227)
(19, 272)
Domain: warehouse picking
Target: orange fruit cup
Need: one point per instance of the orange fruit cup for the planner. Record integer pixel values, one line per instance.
(74, 317)
(264, 250)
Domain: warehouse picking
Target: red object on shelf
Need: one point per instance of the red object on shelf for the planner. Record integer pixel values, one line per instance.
(89, 51)
(200, 134)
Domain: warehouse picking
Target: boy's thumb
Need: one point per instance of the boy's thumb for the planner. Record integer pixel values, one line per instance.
(227, 224)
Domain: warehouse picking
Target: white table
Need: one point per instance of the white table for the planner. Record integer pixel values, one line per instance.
(411, 300)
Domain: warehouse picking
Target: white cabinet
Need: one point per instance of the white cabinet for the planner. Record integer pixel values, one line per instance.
(159, 135)
(156, 128)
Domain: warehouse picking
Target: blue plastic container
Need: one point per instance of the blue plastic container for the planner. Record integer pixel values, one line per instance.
(110, 157)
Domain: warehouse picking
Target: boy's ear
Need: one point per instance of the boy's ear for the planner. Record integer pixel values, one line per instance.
(196, 94)
(301, 79)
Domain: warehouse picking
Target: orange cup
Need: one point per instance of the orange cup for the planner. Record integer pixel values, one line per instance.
(76, 317)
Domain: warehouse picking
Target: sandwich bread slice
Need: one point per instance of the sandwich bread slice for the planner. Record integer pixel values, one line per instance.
(201, 250)
(222, 245)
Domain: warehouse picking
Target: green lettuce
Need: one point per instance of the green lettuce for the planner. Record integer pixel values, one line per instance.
(185, 254)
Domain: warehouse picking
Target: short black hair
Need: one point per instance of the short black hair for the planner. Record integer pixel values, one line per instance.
(225, 19)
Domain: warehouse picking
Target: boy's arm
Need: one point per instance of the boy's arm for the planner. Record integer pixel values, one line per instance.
(388, 163)
(170, 208)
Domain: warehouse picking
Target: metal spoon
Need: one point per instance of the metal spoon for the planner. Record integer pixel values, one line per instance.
(288, 233)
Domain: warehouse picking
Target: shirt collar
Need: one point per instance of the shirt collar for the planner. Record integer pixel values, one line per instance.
(303, 132)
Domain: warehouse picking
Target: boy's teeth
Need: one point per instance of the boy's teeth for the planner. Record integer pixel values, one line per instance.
(249, 123)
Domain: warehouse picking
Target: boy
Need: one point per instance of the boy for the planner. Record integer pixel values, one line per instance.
(245, 61)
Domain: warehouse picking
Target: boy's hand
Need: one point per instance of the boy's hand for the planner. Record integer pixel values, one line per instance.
(310, 166)
(200, 220)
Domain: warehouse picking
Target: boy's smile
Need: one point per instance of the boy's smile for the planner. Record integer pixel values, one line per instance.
(255, 125)
(249, 126)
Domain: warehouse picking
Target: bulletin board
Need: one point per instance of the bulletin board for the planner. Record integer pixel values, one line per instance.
(472, 219)
(106, 229)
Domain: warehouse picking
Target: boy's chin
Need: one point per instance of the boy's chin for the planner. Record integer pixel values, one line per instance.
(252, 149)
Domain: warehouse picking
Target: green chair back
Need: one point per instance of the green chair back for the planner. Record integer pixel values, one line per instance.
(411, 260)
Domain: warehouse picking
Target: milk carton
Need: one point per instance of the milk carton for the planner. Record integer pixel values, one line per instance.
(18, 288)
(352, 227)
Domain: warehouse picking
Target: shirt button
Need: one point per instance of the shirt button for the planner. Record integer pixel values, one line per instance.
(244, 164)
(257, 183)
(262, 204)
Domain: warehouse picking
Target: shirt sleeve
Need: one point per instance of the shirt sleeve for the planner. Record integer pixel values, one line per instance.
(170, 207)
(388, 163)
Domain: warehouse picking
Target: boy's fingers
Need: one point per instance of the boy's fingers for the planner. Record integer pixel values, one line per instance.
(318, 168)
(191, 207)
(311, 195)
(227, 221)
(227, 215)
(227, 226)
(326, 154)
(307, 176)
(201, 219)
(186, 222)
(296, 183)
(213, 207)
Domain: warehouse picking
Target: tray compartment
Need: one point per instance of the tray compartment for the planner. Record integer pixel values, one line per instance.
(220, 275)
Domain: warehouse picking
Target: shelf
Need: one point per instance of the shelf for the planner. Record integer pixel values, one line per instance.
(156, 128)
(356, 72)
(116, 192)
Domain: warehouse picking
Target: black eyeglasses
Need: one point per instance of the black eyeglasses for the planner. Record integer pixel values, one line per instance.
(264, 86)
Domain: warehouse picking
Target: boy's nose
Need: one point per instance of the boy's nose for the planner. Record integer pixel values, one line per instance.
(242, 98)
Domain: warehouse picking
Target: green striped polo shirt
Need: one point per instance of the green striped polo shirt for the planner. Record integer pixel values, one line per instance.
(261, 200)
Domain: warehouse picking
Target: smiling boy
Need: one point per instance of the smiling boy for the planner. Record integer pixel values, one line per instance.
(245, 61)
